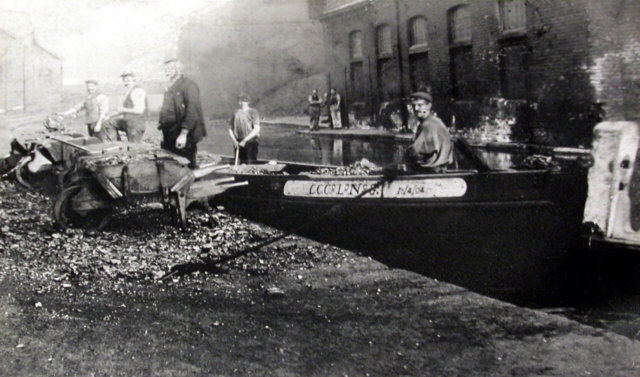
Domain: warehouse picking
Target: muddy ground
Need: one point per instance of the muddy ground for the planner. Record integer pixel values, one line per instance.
(83, 303)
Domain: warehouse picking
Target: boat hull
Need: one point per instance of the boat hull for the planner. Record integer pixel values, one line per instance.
(499, 233)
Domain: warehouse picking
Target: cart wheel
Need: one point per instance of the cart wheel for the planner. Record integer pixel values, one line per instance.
(66, 217)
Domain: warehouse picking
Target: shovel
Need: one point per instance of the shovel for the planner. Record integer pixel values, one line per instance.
(235, 163)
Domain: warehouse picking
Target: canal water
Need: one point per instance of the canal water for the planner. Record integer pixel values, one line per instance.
(284, 143)
(617, 309)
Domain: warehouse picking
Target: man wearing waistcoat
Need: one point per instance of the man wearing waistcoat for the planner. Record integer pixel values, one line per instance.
(96, 108)
(181, 120)
(132, 115)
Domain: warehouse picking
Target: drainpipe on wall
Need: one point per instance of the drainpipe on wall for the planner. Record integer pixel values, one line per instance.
(403, 108)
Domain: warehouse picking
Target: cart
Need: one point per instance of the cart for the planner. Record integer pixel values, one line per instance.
(43, 150)
(102, 180)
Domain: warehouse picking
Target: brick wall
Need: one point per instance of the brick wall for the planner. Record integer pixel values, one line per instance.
(614, 65)
(581, 61)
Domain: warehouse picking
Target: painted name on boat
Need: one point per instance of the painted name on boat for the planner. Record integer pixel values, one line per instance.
(414, 188)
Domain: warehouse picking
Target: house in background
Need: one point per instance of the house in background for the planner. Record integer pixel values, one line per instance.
(30, 75)
(557, 67)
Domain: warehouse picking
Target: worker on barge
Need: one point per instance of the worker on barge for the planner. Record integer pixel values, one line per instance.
(244, 131)
(432, 147)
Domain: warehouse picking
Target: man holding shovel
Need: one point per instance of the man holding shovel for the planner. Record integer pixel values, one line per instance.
(181, 120)
(245, 131)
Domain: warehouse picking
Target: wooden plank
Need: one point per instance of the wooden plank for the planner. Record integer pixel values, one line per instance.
(71, 144)
(204, 189)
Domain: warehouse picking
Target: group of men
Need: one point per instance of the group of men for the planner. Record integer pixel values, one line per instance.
(182, 123)
(181, 120)
(332, 101)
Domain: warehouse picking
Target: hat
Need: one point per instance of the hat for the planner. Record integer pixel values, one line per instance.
(127, 73)
(421, 95)
(243, 98)
(171, 60)
(91, 81)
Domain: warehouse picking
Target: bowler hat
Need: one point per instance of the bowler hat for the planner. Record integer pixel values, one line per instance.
(421, 95)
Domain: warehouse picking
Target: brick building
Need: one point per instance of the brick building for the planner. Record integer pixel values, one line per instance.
(559, 66)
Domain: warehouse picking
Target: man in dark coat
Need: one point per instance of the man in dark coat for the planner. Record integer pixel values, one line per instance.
(181, 119)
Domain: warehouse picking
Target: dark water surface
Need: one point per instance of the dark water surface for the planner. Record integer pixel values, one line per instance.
(285, 144)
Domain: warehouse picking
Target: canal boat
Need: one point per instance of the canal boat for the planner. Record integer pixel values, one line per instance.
(496, 231)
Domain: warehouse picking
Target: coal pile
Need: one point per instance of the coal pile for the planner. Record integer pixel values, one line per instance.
(359, 168)
(140, 244)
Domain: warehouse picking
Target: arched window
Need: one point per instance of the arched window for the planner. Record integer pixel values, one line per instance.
(460, 24)
(418, 31)
(383, 41)
(355, 44)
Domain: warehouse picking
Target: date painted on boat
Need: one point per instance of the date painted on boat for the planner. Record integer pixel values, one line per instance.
(409, 188)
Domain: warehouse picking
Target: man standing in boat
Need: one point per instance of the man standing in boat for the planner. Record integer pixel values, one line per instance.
(131, 117)
(432, 146)
(181, 120)
(96, 108)
(334, 109)
(315, 103)
(245, 131)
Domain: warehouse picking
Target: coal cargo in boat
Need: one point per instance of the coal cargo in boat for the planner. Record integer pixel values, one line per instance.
(495, 231)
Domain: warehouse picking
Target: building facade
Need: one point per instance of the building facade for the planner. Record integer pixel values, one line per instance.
(30, 75)
(559, 66)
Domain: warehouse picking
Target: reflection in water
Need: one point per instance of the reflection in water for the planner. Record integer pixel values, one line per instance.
(497, 160)
(285, 144)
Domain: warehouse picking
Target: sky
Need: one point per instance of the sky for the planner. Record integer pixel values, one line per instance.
(101, 38)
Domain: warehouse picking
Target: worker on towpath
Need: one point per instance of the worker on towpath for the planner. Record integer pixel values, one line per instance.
(96, 107)
(131, 117)
(181, 120)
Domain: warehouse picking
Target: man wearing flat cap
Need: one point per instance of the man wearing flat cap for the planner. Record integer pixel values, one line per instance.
(131, 117)
(432, 146)
(181, 120)
(245, 131)
(96, 107)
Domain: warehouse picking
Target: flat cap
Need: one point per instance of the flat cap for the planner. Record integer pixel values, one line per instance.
(91, 81)
(171, 60)
(421, 95)
(127, 73)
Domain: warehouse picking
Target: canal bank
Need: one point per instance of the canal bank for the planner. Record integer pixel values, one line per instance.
(96, 304)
